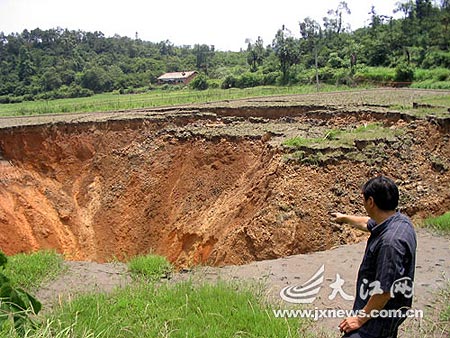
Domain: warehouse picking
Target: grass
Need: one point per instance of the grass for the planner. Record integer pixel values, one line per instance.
(377, 74)
(29, 271)
(431, 84)
(441, 100)
(175, 310)
(337, 144)
(155, 98)
(151, 267)
(440, 223)
(444, 314)
(436, 320)
(343, 137)
(147, 308)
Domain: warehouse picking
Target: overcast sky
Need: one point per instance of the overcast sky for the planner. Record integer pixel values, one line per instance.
(226, 24)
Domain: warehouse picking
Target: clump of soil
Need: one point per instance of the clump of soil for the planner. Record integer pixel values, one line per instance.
(213, 187)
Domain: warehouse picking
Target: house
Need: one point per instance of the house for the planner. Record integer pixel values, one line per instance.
(177, 78)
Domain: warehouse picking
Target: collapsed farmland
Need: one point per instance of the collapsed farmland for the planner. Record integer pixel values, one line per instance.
(216, 184)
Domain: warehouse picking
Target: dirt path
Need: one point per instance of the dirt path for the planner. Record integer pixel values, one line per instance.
(432, 273)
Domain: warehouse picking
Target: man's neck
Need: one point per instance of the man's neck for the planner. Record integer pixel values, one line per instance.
(382, 215)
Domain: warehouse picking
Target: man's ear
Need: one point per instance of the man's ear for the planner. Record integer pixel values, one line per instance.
(371, 201)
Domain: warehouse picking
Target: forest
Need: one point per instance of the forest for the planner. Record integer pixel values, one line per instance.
(62, 63)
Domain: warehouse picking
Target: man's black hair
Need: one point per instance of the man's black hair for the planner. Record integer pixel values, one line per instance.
(383, 191)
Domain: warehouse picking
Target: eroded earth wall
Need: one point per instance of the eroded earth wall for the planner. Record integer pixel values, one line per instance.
(106, 190)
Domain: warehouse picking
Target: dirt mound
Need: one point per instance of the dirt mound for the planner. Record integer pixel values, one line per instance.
(214, 188)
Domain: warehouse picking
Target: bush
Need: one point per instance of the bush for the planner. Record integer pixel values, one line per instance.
(307, 76)
(437, 74)
(404, 73)
(270, 79)
(214, 83)
(4, 99)
(326, 74)
(436, 58)
(229, 82)
(334, 61)
(248, 80)
(200, 82)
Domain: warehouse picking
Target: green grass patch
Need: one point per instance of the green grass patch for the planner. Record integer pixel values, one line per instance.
(436, 74)
(173, 310)
(151, 267)
(431, 84)
(363, 143)
(31, 270)
(374, 74)
(440, 223)
(154, 98)
(343, 137)
(441, 100)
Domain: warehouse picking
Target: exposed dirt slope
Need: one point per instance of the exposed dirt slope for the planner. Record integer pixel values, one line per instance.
(205, 187)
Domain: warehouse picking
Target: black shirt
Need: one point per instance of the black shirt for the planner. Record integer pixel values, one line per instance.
(388, 266)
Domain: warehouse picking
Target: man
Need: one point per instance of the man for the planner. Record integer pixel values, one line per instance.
(386, 273)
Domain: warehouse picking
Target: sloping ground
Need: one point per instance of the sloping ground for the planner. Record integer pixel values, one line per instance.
(205, 185)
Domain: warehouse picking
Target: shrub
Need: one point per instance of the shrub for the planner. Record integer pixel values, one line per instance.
(270, 79)
(436, 58)
(200, 82)
(4, 99)
(248, 80)
(437, 74)
(214, 83)
(404, 73)
(229, 82)
(334, 61)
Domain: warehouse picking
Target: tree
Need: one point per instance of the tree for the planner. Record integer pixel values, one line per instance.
(255, 54)
(445, 21)
(334, 23)
(204, 54)
(26, 66)
(287, 51)
(96, 79)
(311, 32)
(50, 79)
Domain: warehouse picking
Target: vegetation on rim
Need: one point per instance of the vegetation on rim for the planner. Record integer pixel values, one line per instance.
(152, 267)
(361, 143)
(60, 63)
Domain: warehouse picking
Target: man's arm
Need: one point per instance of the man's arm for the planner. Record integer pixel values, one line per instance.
(376, 302)
(359, 222)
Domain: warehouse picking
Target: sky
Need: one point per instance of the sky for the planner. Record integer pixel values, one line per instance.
(226, 24)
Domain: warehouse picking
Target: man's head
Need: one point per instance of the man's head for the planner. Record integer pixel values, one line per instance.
(382, 191)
